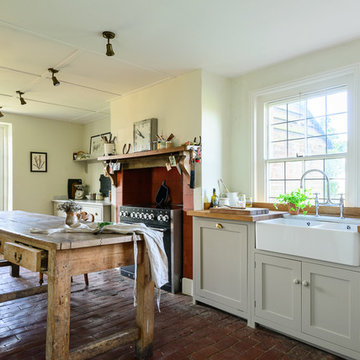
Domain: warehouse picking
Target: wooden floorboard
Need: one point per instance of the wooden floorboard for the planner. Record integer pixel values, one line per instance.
(183, 331)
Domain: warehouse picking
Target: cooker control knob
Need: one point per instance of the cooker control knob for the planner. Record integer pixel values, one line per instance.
(151, 216)
(126, 213)
(141, 216)
(121, 213)
(137, 214)
(160, 218)
(132, 214)
(146, 216)
(166, 218)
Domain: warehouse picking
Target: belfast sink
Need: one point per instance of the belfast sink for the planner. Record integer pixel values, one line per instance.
(337, 242)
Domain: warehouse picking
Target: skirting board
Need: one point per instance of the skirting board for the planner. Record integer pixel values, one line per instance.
(187, 286)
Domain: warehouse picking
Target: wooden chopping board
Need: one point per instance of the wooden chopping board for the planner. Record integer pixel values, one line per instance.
(238, 211)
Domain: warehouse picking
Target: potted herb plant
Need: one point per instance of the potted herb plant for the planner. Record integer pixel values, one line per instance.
(70, 208)
(295, 200)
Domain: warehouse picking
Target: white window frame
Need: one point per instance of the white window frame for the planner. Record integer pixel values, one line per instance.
(6, 180)
(348, 77)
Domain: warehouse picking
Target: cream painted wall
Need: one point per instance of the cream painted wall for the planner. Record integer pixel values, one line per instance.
(92, 171)
(176, 103)
(34, 191)
(298, 68)
(216, 132)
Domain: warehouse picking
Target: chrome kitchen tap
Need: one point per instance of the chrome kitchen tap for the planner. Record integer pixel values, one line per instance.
(328, 200)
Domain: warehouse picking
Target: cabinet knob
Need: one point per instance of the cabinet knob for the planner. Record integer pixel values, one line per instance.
(305, 283)
(296, 281)
(219, 226)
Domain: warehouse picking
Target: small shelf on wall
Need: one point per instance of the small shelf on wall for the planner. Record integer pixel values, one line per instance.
(86, 162)
(152, 158)
(89, 160)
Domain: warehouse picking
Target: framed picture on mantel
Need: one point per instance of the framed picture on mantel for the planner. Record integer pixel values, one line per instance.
(38, 161)
(97, 145)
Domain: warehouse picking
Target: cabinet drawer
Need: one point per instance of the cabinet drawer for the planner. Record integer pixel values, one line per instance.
(26, 256)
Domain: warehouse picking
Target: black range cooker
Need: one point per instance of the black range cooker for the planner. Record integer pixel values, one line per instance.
(168, 220)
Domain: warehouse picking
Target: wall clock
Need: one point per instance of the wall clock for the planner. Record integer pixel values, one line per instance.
(144, 134)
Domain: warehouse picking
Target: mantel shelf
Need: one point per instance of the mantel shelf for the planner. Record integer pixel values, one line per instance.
(144, 154)
(148, 159)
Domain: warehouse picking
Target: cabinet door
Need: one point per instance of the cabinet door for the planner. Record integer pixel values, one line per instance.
(278, 290)
(220, 262)
(331, 299)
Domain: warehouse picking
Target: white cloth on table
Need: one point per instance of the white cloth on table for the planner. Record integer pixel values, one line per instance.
(153, 241)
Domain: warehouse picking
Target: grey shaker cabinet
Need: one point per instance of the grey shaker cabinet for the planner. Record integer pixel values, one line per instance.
(221, 264)
(278, 290)
(316, 300)
(330, 300)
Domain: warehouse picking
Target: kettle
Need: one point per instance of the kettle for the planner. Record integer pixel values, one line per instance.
(79, 192)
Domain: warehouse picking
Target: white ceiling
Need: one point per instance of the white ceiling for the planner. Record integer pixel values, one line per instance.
(155, 40)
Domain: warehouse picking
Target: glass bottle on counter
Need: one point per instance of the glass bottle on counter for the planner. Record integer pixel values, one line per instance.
(214, 199)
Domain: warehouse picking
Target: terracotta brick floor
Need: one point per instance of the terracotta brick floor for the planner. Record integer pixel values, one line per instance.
(182, 330)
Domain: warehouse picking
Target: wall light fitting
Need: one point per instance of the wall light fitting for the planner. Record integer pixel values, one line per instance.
(55, 81)
(109, 35)
(22, 100)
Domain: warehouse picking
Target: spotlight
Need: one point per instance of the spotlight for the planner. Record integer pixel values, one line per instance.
(55, 81)
(109, 35)
(22, 100)
(1, 114)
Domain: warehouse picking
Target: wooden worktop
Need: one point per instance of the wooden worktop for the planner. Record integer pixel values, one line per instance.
(20, 223)
(249, 218)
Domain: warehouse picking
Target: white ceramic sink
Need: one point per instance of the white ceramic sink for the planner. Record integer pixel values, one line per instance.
(337, 242)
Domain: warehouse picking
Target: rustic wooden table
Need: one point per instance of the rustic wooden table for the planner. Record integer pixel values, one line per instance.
(62, 255)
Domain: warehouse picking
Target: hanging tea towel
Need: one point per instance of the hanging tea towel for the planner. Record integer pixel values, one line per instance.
(153, 241)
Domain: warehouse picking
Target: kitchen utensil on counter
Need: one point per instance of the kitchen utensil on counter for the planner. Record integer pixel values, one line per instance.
(238, 211)
(249, 201)
(221, 182)
(224, 201)
(241, 201)
(233, 198)
(162, 195)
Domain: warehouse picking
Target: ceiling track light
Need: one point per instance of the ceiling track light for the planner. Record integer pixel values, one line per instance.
(1, 114)
(22, 100)
(109, 35)
(55, 81)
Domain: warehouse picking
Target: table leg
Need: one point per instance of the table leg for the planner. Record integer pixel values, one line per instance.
(15, 270)
(145, 309)
(58, 311)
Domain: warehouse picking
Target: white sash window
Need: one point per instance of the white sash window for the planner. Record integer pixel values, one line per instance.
(305, 125)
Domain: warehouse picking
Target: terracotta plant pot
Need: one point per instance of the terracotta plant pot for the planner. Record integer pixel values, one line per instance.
(293, 212)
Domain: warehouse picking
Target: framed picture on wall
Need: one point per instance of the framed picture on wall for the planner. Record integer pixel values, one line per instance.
(97, 145)
(38, 161)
